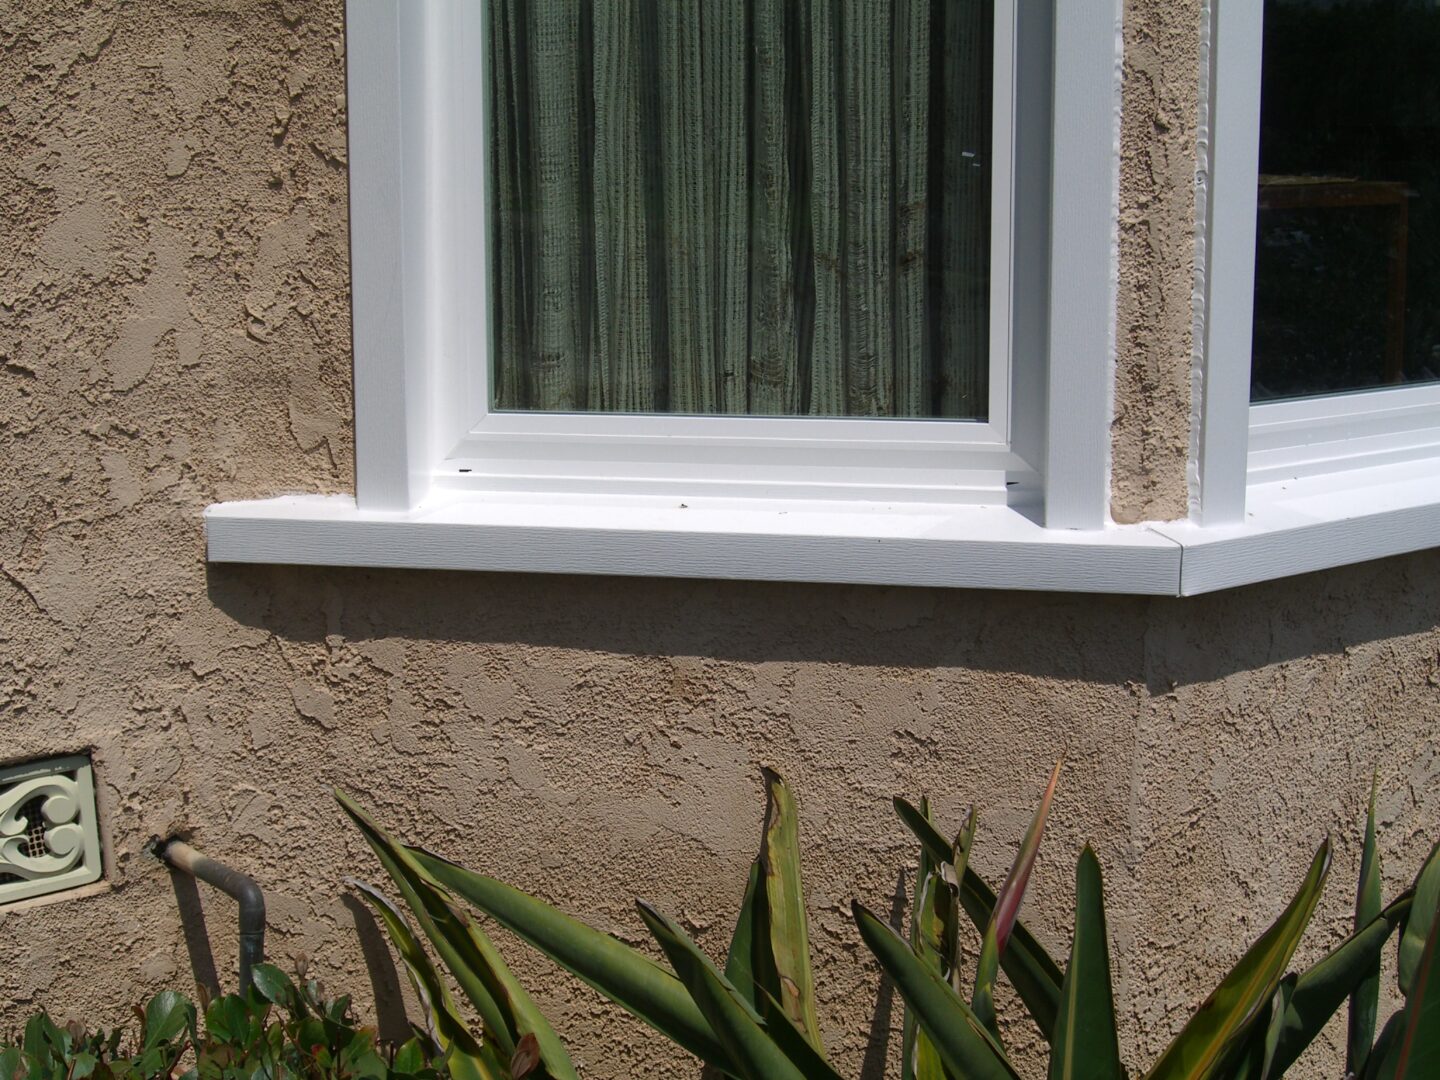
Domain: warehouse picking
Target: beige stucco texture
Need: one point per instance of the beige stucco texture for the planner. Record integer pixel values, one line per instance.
(1160, 108)
(174, 330)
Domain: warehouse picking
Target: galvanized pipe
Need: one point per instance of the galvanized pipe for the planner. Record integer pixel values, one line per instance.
(181, 856)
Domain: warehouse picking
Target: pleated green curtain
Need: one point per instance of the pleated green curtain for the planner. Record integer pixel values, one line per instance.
(751, 207)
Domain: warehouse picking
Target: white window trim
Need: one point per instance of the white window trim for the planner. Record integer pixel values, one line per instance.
(1284, 487)
(417, 392)
(1253, 517)
(419, 347)
(424, 426)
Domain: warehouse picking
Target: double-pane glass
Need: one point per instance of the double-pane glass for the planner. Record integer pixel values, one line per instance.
(1347, 267)
(741, 207)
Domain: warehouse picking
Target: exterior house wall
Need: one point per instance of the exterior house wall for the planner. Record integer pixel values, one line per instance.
(174, 330)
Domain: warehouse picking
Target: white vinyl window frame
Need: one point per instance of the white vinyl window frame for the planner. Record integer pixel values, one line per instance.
(689, 456)
(425, 427)
(1283, 487)
(1020, 501)
(1276, 489)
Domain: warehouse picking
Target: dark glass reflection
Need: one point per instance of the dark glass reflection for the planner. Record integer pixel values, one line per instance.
(1347, 260)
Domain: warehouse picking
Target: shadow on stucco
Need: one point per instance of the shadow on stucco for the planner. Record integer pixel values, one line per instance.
(197, 935)
(1159, 643)
(390, 1020)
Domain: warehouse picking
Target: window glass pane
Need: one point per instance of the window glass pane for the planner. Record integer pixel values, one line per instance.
(762, 207)
(1347, 261)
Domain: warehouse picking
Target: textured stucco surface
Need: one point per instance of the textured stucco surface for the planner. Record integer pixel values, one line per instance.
(174, 330)
(1160, 108)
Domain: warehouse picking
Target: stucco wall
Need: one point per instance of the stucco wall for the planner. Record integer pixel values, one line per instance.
(174, 330)
(1160, 106)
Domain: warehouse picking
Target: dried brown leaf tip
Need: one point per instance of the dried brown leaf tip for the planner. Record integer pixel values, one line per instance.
(525, 1058)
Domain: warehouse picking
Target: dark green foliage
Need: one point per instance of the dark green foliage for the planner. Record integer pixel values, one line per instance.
(278, 1030)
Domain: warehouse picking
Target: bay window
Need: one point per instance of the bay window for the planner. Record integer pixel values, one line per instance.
(744, 288)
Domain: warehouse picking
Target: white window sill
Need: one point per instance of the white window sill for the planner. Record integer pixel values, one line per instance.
(1292, 527)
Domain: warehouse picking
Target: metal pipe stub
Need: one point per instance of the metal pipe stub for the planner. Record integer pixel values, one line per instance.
(181, 856)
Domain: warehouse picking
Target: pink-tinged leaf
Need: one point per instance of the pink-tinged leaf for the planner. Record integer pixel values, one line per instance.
(1012, 893)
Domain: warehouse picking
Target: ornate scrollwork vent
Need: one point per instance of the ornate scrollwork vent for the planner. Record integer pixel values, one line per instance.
(49, 840)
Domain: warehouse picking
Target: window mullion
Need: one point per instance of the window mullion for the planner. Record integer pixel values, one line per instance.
(1081, 324)
(1229, 258)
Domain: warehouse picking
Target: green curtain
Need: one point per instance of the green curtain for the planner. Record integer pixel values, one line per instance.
(763, 207)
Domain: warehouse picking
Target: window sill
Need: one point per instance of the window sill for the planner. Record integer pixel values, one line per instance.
(1292, 527)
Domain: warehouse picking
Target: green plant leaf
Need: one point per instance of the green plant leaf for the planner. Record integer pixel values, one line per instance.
(1382, 1061)
(1232, 1007)
(935, 939)
(987, 967)
(1422, 917)
(908, 1027)
(1031, 970)
(1420, 1043)
(1280, 1020)
(463, 1051)
(789, 931)
(750, 929)
(961, 1041)
(1365, 1000)
(1084, 1045)
(167, 1014)
(934, 926)
(959, 867)
(507, 1009)
(754, 1053)
(1409, 1047)
(1322, 989)
(410, 1057)
(627, 977)
(423, 903)
(273, 985)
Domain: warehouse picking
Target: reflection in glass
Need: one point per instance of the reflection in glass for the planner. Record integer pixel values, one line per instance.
(763, 207)
(1347, 261)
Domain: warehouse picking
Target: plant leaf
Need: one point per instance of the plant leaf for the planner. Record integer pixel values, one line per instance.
(1007, 909)
(908, 1028)
(274, 985)
(959, 867)
(1321, 990)
(1279, 1020)
(1012, 893)
(1422, 916)
(1365, 1000)
(166, 1015)
(629, 978)
(961, 1041)
(1227, 1014)
(1085, 1045)
(1383, 1060)
(789, 933)
(982, 994)
(750, 927)
(1420, 1044)
(755, 1054)
(526, 1059)
(1031, 970)
(507, 1009)
(934, 919)
(464, 1054)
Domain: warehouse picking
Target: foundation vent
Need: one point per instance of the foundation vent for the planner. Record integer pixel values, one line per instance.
(49, 839)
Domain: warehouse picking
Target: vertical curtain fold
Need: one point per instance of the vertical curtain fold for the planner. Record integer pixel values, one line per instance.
(762, 207)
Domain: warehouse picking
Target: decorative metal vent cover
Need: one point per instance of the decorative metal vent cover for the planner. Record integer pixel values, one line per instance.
(49, 840)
